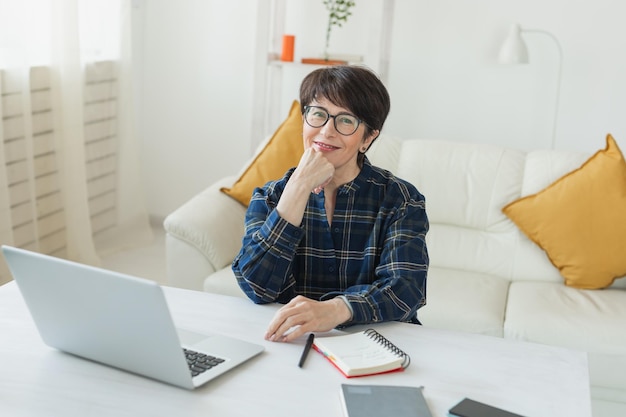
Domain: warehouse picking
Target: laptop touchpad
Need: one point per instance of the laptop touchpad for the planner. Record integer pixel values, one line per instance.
(189, 338)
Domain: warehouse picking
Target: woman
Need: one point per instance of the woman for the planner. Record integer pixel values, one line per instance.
(337, 240)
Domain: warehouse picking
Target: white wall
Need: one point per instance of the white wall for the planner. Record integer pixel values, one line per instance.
(197, 57)
(445, 78)
(195, 94)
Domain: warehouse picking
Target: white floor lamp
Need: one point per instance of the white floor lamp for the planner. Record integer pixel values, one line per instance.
(514, 51)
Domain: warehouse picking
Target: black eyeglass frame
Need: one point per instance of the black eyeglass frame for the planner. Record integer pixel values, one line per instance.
(334, 116)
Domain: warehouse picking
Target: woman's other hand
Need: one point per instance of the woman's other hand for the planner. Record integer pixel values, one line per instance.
(303, 315)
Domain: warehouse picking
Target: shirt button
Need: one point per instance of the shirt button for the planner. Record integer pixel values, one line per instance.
(331, 269)
(336, 229)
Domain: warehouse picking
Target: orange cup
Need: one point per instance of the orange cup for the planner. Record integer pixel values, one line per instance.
(288, 43)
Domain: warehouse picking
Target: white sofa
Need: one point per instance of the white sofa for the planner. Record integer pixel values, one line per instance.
(485, 276)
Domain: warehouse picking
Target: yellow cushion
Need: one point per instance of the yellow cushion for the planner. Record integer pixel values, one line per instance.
(283, 151)
(580, 220)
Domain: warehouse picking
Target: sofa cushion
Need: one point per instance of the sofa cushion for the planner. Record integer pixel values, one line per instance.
(587, 320)
(203, 235)
(384, 152)
(555, 314)
(282, 151)
(580, 220)
(223, 282)
(465, 186)
(464, 301)
(482, 177)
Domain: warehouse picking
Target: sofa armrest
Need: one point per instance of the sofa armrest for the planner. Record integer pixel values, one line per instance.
(203, 236)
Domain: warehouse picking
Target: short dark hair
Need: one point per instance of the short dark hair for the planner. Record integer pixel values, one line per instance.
(355, 88)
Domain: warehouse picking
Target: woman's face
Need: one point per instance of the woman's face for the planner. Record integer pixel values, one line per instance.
(340, 150)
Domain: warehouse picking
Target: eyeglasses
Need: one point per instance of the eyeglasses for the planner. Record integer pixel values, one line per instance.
(345, 123)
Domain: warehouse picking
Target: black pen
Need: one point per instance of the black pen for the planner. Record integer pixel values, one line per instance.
(307, 348)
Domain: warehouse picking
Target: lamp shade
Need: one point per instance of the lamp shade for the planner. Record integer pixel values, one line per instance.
(514, 50)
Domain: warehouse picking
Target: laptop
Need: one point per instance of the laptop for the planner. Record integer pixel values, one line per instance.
(118, 320)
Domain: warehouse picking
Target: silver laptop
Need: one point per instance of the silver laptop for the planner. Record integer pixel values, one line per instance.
(118, 320)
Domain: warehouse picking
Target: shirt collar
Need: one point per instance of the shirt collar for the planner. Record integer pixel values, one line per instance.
(360, 179)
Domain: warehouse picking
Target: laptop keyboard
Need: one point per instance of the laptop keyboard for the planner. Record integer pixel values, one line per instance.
(199, 362)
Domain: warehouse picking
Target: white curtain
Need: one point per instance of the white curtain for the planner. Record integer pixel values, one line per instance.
(70, 181)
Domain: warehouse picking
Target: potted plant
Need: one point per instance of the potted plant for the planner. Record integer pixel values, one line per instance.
(338, 13)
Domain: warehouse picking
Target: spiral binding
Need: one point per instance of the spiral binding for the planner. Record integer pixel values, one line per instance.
(379, 338)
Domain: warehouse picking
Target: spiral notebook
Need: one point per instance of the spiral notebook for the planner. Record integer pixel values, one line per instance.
(361, 354)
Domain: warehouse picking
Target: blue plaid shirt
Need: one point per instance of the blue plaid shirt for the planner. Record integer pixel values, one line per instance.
(374, 253)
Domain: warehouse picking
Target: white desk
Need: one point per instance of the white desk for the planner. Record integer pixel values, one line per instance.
(35, 380)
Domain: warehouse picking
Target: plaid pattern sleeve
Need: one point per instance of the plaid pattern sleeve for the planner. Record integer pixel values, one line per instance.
(374, 252)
